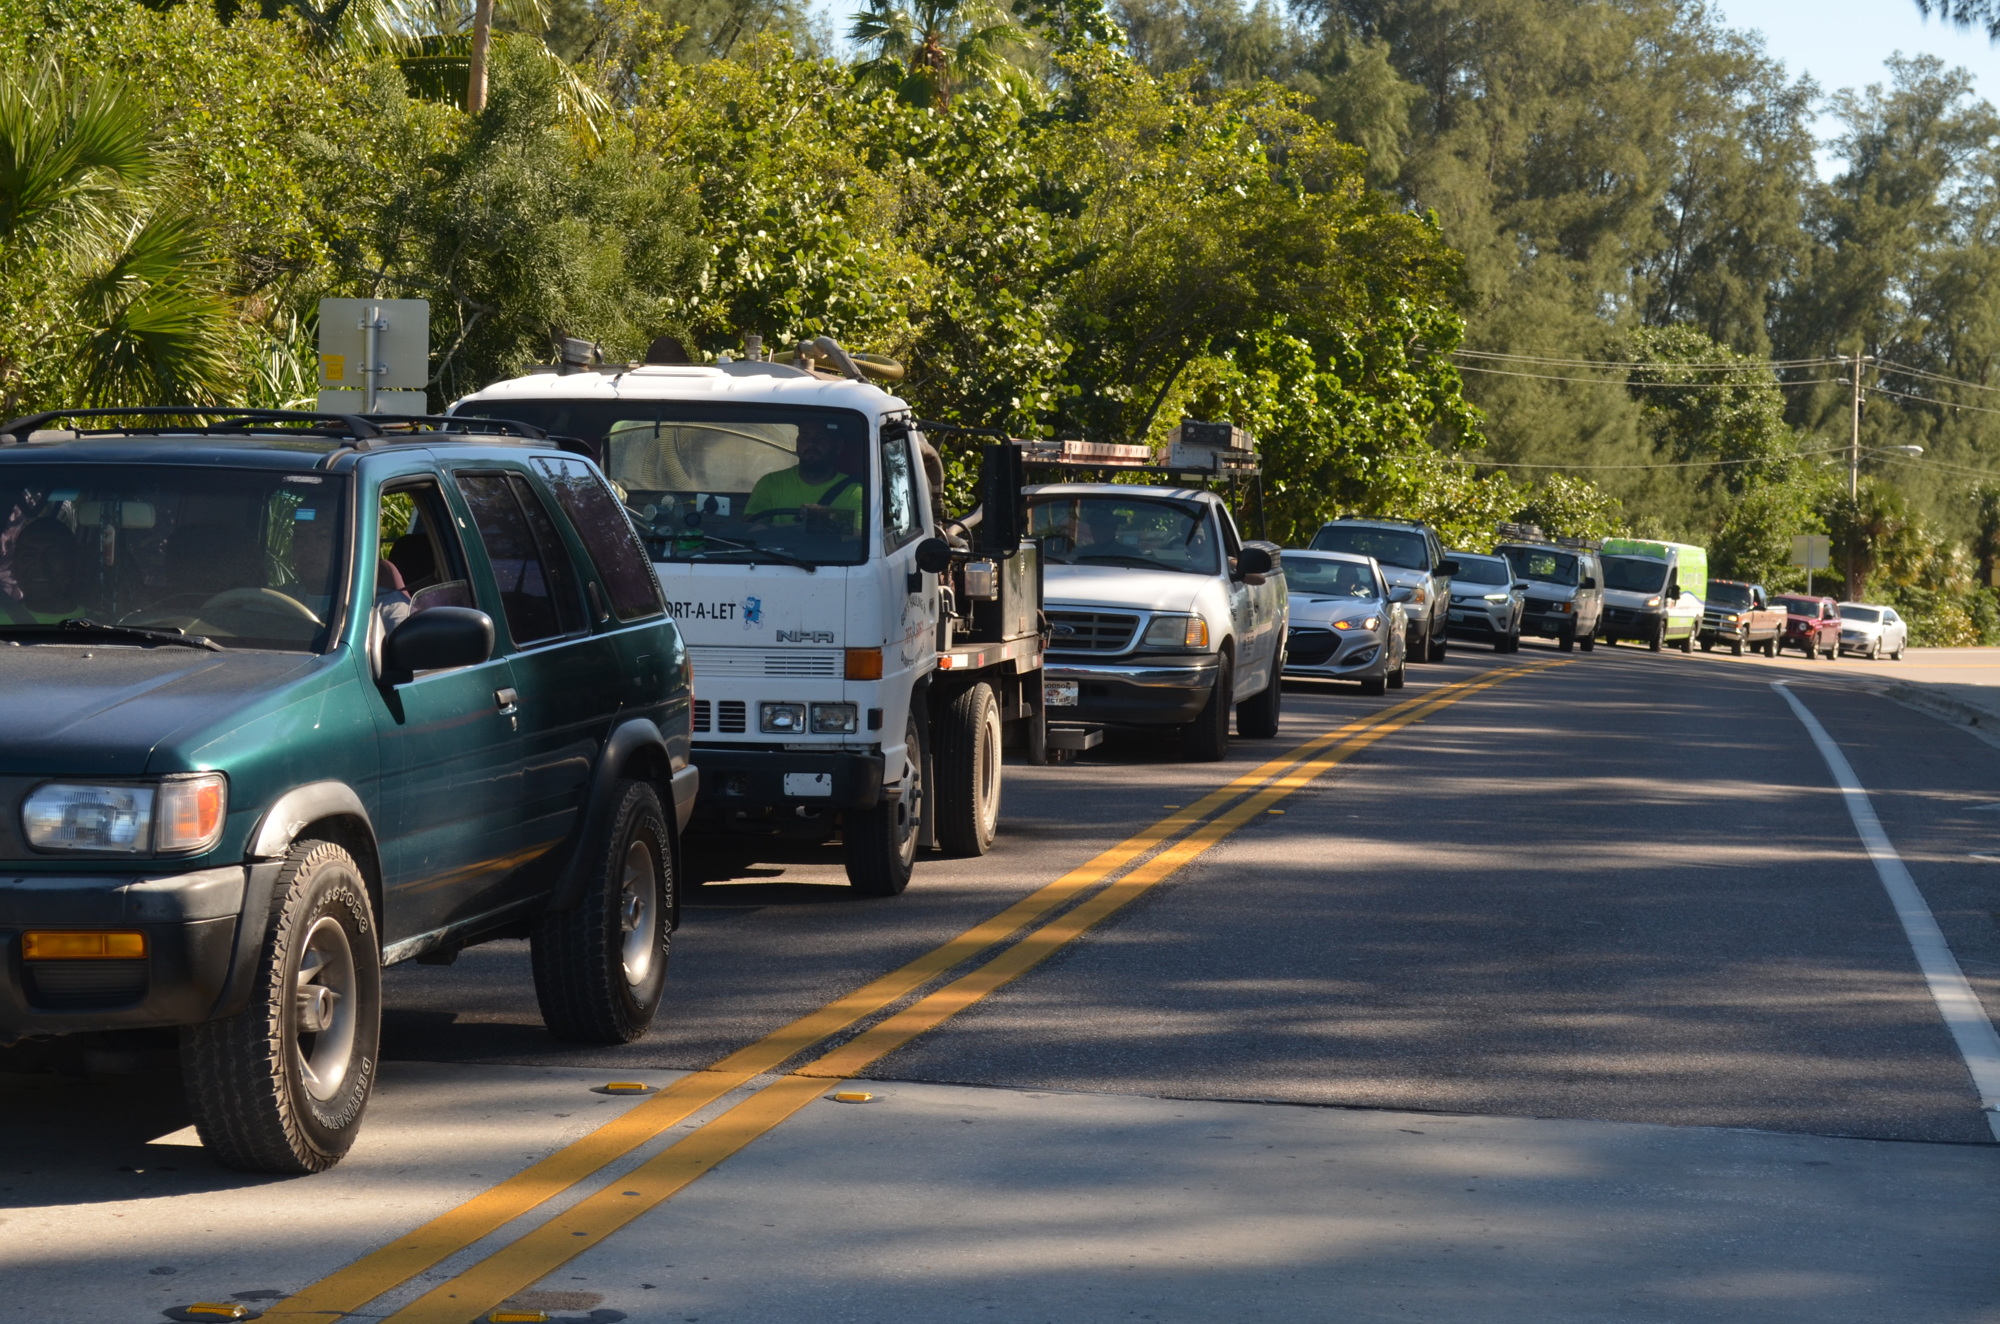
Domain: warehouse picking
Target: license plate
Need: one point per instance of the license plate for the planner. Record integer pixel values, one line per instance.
(1457, 616)
(808, 783)
(1059, 693)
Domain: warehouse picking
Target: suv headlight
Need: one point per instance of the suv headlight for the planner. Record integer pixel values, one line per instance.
(181, 816)
(1176, 632)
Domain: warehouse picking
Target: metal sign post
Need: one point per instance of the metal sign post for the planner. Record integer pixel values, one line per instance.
(1810, 552)
(374, 356)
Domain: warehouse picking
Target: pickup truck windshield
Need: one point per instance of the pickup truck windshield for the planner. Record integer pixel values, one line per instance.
(1308, 576)
(725, 483)
(1728, 595)
(1870, 615)
(249, 558)
(1635, 574)
(1542, 567)
(1481, 570)
(1140, 532)
(1399, 547)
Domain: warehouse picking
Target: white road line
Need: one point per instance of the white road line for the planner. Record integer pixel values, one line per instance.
(1970, 1026)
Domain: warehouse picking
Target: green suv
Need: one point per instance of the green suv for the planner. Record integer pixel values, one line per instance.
(286, 698)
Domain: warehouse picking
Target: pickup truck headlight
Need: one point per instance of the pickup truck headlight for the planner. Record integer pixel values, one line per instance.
(180, 816)
(1730, 620)
(1417, 596)
(1176, 632)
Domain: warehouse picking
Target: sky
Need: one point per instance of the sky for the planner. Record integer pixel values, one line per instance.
(1842, 43)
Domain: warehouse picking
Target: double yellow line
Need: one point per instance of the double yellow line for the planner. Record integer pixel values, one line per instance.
(545, 1248)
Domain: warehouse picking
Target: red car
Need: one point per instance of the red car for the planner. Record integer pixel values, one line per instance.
(1812, 625)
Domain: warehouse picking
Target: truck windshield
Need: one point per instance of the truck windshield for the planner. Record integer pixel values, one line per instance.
(1399, 547)
(1139, 532)
(1635, 574)
(1544, 567)
(1309, 576)
(249, 558)
(1728, 595)
(725, 483)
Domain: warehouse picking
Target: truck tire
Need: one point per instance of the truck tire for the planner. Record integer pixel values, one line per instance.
(1687, 644)
(1257, 716)
(281, 1086)
(1738, 644)
(965, 772)
(1659, 639)
(880, 844)
(1587, 642)
(1566, 641)
(1437, 649)
(601, 966)
(1770, 648)
(1206, 738)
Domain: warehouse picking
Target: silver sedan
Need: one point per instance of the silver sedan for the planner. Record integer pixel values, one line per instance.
(1344, 625)
(1872, 630)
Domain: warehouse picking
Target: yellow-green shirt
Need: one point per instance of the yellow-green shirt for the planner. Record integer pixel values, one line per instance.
(783, 491)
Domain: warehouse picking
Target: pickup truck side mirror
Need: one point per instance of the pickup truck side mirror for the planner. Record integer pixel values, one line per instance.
(1253, 561)
(1447, 567)
(1590, 581)
(436, 639)
(933, 556)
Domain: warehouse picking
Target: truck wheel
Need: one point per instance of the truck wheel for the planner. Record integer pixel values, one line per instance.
(1687, 645)
(1738, 644)
(881, 843)
(601, 966)
(281, 1085)
(1566, 641)
(1770, 648)
(1659, 639)
(1206, 738)
(1257, 717)
(965, 771)
(1437, 647)
(1587, 642)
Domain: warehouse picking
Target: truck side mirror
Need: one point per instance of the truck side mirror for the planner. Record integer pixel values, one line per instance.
(1253, 561)
(436, 639)
(933, 556)
(1590, 581)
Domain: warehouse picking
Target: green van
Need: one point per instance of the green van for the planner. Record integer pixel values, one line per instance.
(1653, 592)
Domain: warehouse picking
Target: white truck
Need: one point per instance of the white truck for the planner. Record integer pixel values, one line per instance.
(854, 672)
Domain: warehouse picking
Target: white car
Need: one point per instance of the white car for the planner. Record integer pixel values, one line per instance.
(1346, 624)
(1159, 613)
(1872, 630)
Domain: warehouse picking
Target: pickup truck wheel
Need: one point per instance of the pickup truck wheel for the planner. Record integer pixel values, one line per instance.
(1566, 641)
(1206, 738)
(1738, 644)
(1770, 648)
(1587, 642)
(881, 843)
(1707, 644)
(281, 1086)
(1257, 716)
(601, 966)
(965, 770)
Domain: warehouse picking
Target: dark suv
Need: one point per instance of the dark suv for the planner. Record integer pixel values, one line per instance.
(286, 698)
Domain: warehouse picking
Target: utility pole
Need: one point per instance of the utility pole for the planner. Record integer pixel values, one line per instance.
(1854, 478)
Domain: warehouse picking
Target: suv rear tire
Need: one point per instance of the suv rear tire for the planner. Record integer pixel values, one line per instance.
(965, 771)
(601, 966)
(280, 1086)
(881, 843)
(1206, 738)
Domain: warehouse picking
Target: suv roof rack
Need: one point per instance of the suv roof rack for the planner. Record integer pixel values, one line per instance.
(357, 429)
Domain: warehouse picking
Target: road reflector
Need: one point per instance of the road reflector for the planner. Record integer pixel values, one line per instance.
(624, 1087)
(850, 1096)
(213, 1310)
(518, 1316)
(1170, 806)
(1274, 811)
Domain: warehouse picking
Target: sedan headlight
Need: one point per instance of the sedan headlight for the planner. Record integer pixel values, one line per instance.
(1369, 624)
(1177, 632)
(180, 816)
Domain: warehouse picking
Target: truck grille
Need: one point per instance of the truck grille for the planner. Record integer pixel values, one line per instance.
(710, 661)
(1309, 648)
(77, 985)
(702, 712)
(1091, 631)
(733, 717)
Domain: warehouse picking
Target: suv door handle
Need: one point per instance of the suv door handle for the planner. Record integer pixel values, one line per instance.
(509, 702)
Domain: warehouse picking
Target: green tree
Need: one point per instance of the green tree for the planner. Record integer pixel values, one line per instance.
(929, 51)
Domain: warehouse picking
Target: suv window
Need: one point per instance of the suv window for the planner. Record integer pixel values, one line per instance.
(538, 589)
(422, 564)
(1407, 548)
(608, 537)
(900, 521)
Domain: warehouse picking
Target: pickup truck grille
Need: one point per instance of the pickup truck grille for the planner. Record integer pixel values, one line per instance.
(1091, 631)
(78, 985)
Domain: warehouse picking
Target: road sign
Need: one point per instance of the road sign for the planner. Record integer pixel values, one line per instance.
(1810, 551)
(371, 346)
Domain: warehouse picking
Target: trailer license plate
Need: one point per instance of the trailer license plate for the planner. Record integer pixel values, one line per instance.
(1059, 693)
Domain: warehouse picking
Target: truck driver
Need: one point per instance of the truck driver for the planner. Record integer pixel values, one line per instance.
(814, 493)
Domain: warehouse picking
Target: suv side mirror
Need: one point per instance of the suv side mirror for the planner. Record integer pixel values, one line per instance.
(1253, 561)
(933, 556)
(1400, 594)
(436, 639)
(1447, 567)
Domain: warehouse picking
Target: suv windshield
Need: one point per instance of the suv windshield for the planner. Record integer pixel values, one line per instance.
(1142, 532)
(1798, 606)
(1480, 570)
(249, 558)
(1309, 576)
(1544, 567)
(1635, 574)
(1728, 595)
(1399, 547)
(752, 482)
(1872, 615)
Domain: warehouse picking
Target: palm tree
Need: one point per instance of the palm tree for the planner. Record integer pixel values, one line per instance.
(931, 50)
(110, 292)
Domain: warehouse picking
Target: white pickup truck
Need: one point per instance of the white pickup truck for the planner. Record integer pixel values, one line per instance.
(1159, 613)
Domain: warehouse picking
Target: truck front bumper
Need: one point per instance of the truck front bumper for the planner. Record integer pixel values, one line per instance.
(1169, 692)
(189, 921)
(742, 779)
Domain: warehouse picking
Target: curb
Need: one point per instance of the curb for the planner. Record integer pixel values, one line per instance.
(1938, 705)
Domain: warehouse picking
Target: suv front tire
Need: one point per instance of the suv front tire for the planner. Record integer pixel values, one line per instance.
(601, 966)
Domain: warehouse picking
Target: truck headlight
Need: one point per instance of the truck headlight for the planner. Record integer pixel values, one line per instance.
(71, 816)
(1177, 632)
(781, 719)
(1417, 596)
(835, 719)
(1652, 602)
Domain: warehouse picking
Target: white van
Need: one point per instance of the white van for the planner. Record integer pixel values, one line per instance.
(1653, 592)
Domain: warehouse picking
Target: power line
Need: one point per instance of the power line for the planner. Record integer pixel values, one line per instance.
(1934, 377)
(1647, 386)
(1932, 400)
(1923, 461)
(1628, 365)
(1659, 464)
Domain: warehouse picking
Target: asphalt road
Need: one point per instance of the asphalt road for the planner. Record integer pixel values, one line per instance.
(1609, 918)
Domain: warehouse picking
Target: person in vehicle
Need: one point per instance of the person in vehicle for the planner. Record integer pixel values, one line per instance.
(48, 572)
(814, 493)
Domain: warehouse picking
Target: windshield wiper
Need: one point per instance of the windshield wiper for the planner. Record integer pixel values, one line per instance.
(137, 634)
(731, 544)
(1141, 562)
